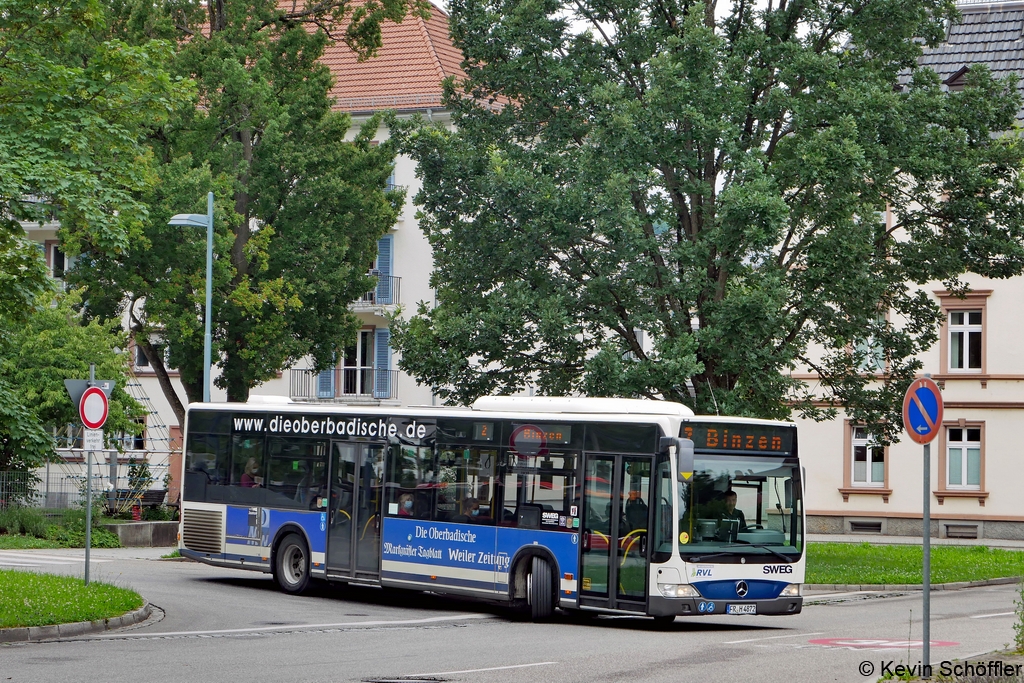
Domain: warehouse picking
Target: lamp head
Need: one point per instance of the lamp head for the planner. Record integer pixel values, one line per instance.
(195, 220)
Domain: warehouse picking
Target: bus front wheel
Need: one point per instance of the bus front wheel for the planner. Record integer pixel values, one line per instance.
(541, 590)
(291, 570)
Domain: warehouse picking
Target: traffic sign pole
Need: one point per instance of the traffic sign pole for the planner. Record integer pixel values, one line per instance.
(88, 483)
(91, 397)
(922, 418)
(88, 511)
(926, 585)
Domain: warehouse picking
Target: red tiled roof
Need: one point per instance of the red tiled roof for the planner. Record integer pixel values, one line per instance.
(407, 71)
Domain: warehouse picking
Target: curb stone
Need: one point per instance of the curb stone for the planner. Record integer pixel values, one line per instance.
(78, 628)
(956, 585)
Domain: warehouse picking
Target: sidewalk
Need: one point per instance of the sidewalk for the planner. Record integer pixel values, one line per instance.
(878, 539)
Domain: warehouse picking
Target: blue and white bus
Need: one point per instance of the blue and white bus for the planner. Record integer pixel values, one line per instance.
(609, 505)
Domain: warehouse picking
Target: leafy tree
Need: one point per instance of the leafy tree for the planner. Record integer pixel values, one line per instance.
(36, 357)
(300, 206)
(71, 106)
(710, 178)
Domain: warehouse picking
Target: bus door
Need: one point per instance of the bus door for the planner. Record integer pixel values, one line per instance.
(353, 538)
(614, 542)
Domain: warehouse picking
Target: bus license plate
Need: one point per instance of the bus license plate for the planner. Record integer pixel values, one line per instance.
(742, 609)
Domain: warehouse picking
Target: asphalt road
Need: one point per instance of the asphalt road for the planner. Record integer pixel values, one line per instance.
(232, 625)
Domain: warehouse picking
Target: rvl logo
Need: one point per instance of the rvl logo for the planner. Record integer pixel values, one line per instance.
(702, 571)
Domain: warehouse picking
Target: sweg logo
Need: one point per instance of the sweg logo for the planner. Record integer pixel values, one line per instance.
(778, 569)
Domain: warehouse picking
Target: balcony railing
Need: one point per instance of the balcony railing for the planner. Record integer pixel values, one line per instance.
(354, 383)
(386, 293)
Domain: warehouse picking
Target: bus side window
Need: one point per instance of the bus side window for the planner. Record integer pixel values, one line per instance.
(465, 485)
(410, 479)
(246, 455)
(540, 493)
(662, 547)
(294, 469)
(207, 466)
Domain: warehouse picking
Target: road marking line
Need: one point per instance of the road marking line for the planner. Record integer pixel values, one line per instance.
(472, 671)
(294, 627)
(791, 635)
(40, 558)
(34, 562)
(987, 616)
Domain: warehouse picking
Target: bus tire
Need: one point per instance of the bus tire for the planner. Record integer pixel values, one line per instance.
(541, 590)
(291, 565)
(664, 620)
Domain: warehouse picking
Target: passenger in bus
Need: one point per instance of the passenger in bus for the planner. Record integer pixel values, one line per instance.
(405, 505)
(250, 477)
(471, 512)
(636, 512)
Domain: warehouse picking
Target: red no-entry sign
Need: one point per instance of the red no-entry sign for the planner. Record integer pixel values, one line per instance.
(93, 408)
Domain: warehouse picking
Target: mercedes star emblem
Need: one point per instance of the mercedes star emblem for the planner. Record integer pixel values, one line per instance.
(741, 588)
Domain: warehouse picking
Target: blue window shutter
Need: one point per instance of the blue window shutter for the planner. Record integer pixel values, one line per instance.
(384, 252)
(382, 364)
(325, 384)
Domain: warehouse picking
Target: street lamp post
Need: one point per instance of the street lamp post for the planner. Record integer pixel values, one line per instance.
(198, 220)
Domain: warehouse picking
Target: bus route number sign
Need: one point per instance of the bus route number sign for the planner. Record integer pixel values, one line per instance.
(922, 410)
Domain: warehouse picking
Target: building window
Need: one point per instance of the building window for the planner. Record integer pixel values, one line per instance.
(963, 458)
(865, 464)
(965, 340)
(964, 331)
(139, 440)
(870, 355)
(142, 361)
(868, 459)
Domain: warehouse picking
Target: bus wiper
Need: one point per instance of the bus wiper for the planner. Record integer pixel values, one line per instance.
(776, 553)
(701, 558)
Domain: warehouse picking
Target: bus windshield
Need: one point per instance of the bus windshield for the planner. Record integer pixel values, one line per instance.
(739, 506)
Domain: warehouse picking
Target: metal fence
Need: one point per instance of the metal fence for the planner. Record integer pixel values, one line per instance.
(54, 490)
(61, 486)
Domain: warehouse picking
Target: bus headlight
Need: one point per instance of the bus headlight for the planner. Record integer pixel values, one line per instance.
(678, 590)
(790, 591)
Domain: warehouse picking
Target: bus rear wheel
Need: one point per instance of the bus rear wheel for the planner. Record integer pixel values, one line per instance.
(541, 590)
(291, 568)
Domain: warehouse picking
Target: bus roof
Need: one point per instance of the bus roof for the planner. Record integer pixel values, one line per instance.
(742, 420)
(568, 404)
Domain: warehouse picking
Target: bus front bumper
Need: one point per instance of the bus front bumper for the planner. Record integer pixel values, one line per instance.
(698, 607)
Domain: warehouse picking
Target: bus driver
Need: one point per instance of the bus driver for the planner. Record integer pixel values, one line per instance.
(731, 519)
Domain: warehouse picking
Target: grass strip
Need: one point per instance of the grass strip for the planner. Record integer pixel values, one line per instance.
(12, 542)
(31, 599)
(864, 563)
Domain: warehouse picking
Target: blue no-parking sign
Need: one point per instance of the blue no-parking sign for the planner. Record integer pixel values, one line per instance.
(922, 410)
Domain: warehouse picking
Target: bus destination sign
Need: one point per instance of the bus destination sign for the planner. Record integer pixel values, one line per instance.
(740, 438)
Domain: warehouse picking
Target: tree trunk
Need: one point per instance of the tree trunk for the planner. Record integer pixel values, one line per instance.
(156, 361)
